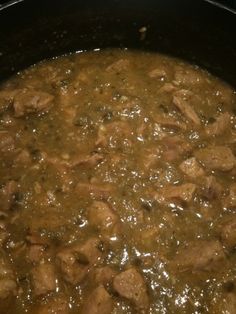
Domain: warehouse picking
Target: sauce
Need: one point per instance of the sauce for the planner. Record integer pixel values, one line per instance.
(118, 190)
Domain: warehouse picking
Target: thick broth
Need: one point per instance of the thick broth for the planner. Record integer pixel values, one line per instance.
(118, 189)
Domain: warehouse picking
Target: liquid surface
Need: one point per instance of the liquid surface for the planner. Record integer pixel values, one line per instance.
(118, 193)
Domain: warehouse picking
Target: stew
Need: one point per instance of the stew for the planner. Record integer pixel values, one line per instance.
(118, 191)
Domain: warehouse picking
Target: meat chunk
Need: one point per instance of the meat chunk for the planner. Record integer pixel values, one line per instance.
(75, 261)
(200, 256)
(183, 193)
(230, 200)
(131, 285)
(97, 191)
(37, 247)
(55, 305)
(98, 302)
(167, 88)
(118, 66)
(101, 140)
(226, 304)
(36, 253)
(188, 76)
(7, 195)
(169, 122)
(6, 99)
(102, 275)
(224, 93)
(4, 234)
(43, 279)
(175, 147)
(182, 100)
(211, 188)
(216, 158)
(149, 158)
(218, 127)
(23, 158)
(8, 284)
(88, 161)
(159, 73)
(191, 168)
(228, 233)
(30, 101)
(7, 142)
(103, 217)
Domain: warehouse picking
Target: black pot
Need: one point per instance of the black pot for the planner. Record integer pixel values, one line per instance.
(197, 31)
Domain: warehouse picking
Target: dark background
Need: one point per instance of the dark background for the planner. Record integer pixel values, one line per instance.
(230, 3)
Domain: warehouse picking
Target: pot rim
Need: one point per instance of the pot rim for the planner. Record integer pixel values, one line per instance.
(9, 4)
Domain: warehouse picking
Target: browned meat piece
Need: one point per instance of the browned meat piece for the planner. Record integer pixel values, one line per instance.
(34, 238)
(6, 100)
(211, 189)
(38, 247)
(230, 200)
(97, 191)
(167, 88)
(3, 233)
(103, 217)
(149, 157)
(183, 193)
(55, 305)
(101, 140)
(169, 122)
(89, 161)
(102, 275)
(182, 100)
(30, 101)
(200, 256)
(7, 195)
(7, 287)
(216, 158)
(43, 279)
(191, 168)
(61, 164)
(36, 253)
(23, 158)
(118, 66)
(218, 127)
(190, 76)
(7, 143)
(7, 279)
(8, 120)
(228, 233)
(226, 304)
(232, 138)
(98, 302)
(76, 260)
(224, 92)
(175, 147)
(159, 73)
(131, 285)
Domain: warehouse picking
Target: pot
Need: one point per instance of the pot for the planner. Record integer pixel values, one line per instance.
(197, 31)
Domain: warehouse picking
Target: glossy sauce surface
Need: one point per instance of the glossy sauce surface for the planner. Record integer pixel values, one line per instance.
(118, 191)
